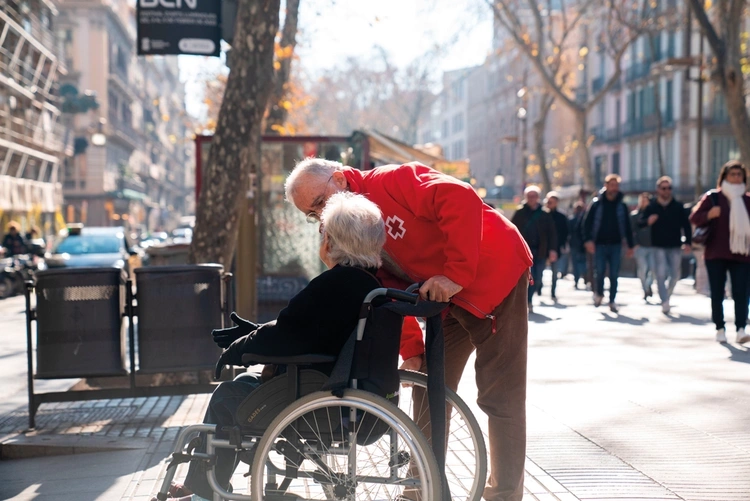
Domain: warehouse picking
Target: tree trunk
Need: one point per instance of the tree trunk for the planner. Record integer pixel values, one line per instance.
(659, 119)
(733, 87)
(235, 147)
(539, 126)
(583, 150)
(278, 111)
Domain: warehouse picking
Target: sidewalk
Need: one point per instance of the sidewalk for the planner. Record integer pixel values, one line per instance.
(615, 411)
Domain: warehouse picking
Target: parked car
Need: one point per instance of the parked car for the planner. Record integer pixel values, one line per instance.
(95, 247)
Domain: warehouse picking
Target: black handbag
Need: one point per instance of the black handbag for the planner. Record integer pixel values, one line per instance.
(702, 234)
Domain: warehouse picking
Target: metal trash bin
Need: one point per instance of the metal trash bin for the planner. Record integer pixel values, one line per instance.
(79, 322)
(178, 306)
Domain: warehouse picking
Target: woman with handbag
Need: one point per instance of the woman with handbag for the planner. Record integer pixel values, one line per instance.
(723, 217)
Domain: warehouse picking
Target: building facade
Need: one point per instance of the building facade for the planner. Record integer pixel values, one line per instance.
(649, 125)
(33, 140)
(132, 150)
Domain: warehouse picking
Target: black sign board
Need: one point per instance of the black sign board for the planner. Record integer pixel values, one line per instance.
(179, 27)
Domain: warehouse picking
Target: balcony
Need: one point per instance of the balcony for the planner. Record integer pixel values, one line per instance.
(598, 132)
(613, 134)
(637, 71)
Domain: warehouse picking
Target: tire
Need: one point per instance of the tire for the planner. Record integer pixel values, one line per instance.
(383, 462)
(466, 452)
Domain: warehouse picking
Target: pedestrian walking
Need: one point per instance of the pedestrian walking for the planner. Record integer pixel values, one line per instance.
(13, 241)
(561, 228)
(577, 249)
(643, 253)
(439, 231)
(726, 212)
(538, 229)
(669, 225)
(607, 226)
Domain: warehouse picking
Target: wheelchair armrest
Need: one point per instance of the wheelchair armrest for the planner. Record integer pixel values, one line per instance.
(306, 359)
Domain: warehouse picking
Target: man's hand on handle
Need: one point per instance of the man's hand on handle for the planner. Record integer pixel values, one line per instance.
(439, 288)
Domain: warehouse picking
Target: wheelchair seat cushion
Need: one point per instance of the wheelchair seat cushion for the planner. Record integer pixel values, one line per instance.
(261, 406)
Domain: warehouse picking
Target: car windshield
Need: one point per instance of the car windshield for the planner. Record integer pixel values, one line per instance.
(89, 244)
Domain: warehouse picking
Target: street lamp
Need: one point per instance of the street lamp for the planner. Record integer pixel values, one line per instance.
(98, 138)
(499, 180)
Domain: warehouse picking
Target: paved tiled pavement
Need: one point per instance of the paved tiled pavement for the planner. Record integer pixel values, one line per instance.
(630, 406)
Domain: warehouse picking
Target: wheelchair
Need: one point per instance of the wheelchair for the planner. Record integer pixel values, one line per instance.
(307, 437)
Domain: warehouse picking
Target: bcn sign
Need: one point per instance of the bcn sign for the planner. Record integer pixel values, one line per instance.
(179, 27)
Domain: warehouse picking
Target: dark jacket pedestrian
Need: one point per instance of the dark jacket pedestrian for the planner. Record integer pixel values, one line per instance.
(561, 229)
(607, 221)
(607, 226)
(14, 242)
(538, 229)
(671, 225)
(575, 232)
(641, 234)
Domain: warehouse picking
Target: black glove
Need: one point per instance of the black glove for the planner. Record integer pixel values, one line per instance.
(225, 337)
(232, 355)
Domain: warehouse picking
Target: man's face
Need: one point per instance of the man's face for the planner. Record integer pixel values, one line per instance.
(532, 199)
(312, 193)
(664, 190)
(612, 186)
(552, 203)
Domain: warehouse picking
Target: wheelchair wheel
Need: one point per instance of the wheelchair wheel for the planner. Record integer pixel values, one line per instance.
(359, 447)
(466, 452)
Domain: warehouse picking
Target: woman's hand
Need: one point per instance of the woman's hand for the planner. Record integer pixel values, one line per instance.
(412, 364)
(714, 212)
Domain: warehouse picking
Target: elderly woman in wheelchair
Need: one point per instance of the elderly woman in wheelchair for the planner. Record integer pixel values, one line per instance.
(328, 427)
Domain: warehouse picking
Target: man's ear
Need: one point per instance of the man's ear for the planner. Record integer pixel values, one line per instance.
(339, 179)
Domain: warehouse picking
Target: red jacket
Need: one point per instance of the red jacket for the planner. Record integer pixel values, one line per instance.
(437, 225)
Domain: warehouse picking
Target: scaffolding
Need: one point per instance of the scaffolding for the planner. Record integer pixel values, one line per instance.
(32, 140)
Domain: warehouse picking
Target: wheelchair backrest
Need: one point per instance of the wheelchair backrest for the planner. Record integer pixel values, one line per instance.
(375, 364)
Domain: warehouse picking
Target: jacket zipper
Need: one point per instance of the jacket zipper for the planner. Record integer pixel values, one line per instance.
(488, 316)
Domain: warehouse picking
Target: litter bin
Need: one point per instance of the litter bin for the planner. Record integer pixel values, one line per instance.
(79, 322)
(178, 306)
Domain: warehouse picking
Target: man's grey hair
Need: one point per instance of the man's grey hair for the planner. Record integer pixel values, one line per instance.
(532, 189)
(318, 168)
(355, 229)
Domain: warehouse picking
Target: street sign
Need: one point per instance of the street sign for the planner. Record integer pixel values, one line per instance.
(174, 27)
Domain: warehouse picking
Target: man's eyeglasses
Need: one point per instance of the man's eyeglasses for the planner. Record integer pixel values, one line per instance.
(317, 205)
(665, 187)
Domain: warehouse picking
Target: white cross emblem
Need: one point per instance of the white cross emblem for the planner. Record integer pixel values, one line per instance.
(395, 227)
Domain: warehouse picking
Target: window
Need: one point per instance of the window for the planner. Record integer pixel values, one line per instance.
(458, 150)
(446, 131)
(671, 52)
(458, 122)
(723, 149)
(644, 161)
(669, 97)
(632, 171)
(457, 89)
(669, 156)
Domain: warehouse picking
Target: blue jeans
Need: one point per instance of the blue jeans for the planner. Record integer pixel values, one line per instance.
(644, 258)
(222, 407)
(607, 254)
(579, 264)
(667, 265)
(536, 274)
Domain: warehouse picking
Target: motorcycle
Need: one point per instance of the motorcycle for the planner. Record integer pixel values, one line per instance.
(15, 271)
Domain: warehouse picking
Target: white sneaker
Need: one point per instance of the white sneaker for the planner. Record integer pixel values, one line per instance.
(742, 336)
(721, 336)
(665, 307)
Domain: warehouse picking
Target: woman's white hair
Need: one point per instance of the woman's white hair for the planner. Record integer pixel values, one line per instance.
(317, 168)
(355, 229)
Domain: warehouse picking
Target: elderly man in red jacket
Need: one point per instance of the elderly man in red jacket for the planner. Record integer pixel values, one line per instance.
(440, 232)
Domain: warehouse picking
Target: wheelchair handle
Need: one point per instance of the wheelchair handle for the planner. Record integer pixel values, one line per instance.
(407, 297)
